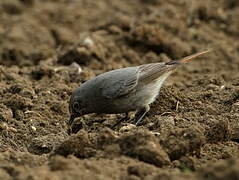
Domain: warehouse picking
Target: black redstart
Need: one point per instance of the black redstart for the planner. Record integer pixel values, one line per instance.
(123, 90)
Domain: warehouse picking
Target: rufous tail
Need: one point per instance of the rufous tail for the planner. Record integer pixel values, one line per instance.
(191, 57)
(187, 59)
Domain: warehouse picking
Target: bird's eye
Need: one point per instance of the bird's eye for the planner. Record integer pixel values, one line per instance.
(76, 106)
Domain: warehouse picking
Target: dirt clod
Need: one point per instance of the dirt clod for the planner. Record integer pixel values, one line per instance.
(49, 47)
(144, 146)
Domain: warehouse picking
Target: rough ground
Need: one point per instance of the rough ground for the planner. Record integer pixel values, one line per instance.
(191, 131)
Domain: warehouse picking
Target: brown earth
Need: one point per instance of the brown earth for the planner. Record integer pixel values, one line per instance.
(191, 131)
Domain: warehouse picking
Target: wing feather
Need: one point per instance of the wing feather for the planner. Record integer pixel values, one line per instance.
(120, 83)
(151, 72)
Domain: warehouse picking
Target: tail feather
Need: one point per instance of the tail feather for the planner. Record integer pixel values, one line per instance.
(187, 59)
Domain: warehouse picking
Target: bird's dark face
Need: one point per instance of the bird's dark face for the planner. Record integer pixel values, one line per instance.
(76, 109)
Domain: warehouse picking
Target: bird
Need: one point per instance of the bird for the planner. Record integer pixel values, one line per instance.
(123, 90)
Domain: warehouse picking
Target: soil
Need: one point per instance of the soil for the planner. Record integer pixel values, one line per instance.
(49, 47)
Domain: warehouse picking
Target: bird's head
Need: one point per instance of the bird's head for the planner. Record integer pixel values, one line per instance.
(76, 108)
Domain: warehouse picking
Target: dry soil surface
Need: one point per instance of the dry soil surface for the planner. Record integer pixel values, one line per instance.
(49, 47)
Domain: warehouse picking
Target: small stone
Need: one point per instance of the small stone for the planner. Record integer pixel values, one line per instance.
(156, 133)
(3, 126)
(88, 42)
(222, 87)
(12, 129)
(33, 128)
(127, 128)
(76, 66)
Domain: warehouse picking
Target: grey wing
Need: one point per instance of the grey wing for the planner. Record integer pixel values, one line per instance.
(150, 72)
(120, 82)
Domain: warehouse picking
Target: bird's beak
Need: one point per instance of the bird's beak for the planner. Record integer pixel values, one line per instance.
(75, 115)
(71, 120)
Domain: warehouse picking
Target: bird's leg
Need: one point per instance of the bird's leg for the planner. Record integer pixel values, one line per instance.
(126, 117)
(140, 115)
